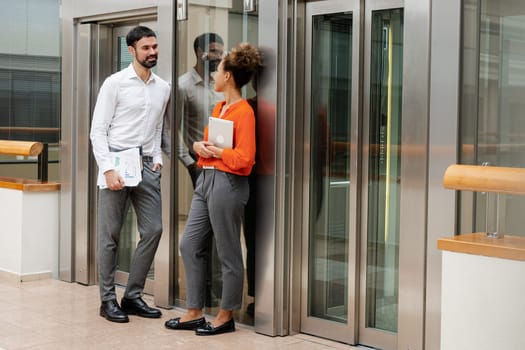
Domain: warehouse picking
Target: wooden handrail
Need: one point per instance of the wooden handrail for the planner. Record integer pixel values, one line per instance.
(28, 148)
(20, 148)
(485, 179)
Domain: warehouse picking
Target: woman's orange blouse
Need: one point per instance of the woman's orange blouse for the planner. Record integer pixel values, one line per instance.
(241, 158)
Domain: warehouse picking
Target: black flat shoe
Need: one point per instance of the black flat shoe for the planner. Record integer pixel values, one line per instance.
(175, 323)
(139, 307)
(112, 312)
(208, 329)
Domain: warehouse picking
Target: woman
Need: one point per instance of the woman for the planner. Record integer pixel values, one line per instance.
(218, 202)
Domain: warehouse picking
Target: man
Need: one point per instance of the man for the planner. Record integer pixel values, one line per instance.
(199, 97)
(129, 113)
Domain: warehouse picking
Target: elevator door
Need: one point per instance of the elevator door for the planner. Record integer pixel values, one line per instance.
(351, 231)
(102, 50)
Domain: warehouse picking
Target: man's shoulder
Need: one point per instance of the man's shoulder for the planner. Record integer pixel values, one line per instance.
(161, 81)
(116, 77)
(188, 79)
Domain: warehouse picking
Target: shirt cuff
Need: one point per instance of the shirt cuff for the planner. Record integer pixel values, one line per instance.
(157, 160)
(106, 166)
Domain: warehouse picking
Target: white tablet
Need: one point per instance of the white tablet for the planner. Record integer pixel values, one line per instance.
(220, 132)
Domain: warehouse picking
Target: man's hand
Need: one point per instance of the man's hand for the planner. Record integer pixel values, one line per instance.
(114, 181)
(156, 167)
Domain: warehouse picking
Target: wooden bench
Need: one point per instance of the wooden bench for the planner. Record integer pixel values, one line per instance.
(31, 149)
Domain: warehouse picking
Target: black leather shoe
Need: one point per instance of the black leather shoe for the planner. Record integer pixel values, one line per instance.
(175, 323)
(112, 312)
(208, 329)
(139, 307)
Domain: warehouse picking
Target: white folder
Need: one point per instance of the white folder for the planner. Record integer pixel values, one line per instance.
(220, 132)
(128, 164)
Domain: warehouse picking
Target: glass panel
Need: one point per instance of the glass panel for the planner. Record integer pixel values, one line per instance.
(491, 122)
(30, 83)
(330, 166)
(124, 56)
(211, 29)
(386, 76)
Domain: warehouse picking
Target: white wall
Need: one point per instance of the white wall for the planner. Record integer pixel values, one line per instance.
(10, 230)
(29, 233)
(482, 303)
(31, 28)
(40, 233)
(82, 8)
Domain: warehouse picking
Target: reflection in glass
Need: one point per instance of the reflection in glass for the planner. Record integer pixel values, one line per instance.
(384, 169)
(492, 127)
(330, 166)
(30, 82)
(195, 67)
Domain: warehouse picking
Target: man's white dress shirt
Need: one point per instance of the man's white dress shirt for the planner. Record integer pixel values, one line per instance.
(199, 98)
(129, 113)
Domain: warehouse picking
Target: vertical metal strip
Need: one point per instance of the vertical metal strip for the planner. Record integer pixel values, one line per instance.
(83, 73)
(67, 119)
(249, 5)
(182, 10)
(166, 266)
(271, 279)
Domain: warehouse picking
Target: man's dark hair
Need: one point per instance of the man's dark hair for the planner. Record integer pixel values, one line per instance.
(203, 40)
(138, 33)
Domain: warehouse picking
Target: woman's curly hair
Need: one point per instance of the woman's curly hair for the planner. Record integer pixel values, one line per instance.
(243, 61)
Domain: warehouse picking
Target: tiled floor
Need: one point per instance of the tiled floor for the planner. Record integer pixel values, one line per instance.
(51, 314)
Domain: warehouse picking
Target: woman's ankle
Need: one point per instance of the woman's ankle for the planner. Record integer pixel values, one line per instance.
(192, 314)
(223, 316)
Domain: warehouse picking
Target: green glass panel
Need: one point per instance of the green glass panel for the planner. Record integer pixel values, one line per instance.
(386, 76)
(492, 126)
(330, 166)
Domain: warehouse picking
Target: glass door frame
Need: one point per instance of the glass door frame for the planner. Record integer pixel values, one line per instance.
(371, 336)
(86, 62)
(309, 324)
(96, 61)
(412, 207)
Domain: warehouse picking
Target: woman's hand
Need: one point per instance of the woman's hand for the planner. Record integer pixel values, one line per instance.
(202, 148)
(216, 151)
(206, 149)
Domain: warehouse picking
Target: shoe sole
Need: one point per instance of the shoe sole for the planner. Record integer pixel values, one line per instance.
(142, 315)
(117, 320)
(214, 333)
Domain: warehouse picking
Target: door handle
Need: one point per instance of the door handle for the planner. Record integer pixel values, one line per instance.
(249, 5)
(182, 10)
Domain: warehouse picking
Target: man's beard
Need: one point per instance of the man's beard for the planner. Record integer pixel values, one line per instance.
(146, 63)
(212, 65)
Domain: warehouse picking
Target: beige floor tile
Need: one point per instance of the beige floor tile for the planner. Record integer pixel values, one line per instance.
(55, 315)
